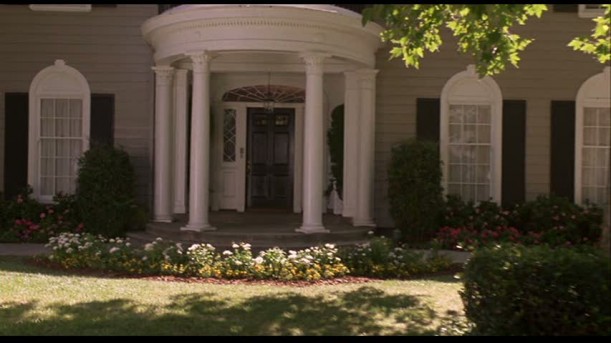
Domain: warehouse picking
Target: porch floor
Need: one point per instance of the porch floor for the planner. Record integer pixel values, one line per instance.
(262, 229)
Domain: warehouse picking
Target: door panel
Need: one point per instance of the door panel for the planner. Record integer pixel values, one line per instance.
(270, 158)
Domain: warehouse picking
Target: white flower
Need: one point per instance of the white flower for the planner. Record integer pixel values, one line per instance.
(179, 246)
(235, 246)
(112, 240)
(292, 252)
(113, 249)
(370, 232)
(330, 246)
(69, 250)
(259, 260)
(246, 246)
(227, 252)
(239, 263)
(148, 247)
(128, 244)
(144, 258)
(51, 257)
(159, 239)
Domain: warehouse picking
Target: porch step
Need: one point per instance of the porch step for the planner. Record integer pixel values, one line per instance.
(258, 243)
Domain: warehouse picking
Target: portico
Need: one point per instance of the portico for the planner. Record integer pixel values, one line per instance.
(301, 42)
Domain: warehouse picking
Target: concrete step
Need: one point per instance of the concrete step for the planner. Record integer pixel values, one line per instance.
(224, 242)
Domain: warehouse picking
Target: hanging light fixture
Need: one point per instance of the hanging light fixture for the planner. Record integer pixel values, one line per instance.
(268, 101)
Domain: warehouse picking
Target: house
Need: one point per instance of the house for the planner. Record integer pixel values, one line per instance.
(226, 107)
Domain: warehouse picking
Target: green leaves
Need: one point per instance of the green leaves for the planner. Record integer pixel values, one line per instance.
(599, 42)
(483, 31)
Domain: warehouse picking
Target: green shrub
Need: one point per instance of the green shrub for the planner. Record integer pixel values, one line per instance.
(383, 259)
(517, 290)
(414, 190)
(106, 191)
(549, 220)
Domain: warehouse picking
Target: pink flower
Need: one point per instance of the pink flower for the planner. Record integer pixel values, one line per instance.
(42, 215)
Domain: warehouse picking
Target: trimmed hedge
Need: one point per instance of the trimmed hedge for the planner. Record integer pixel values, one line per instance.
(414, 190)
(517, 290)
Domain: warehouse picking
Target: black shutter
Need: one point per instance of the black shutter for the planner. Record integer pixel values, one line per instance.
(15, 143)
(565, 8)
(514, 152)
(428, 112)
(102, 119)
(562, 173)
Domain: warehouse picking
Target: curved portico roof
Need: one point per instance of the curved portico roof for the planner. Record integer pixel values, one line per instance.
(260, 28)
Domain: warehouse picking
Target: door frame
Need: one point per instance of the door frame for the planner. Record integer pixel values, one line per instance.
(239, 203)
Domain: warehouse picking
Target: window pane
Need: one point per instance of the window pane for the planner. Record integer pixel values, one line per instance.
(62, 166)
(63, 148)
(47, 166)
(76, 108)
(589, 116)
(470, 114)
(63, 185)
(47, 186)
(454, 152)
(229, 135)
(61, 108)
(455, 114)
(47, 108)
(47, 148)
(604, 116)
(455, 133)
(483, 134)
(468, 192)
(47, 127)
(483, 114)
(483, 154)
(454, 189)
(588, 176)
(454, 173)
(589, 136)
(483, 174)
(603, 136)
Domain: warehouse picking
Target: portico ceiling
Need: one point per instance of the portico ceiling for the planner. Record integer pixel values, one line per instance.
(263, 37)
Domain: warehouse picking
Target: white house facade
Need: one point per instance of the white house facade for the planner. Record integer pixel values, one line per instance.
(227, 107)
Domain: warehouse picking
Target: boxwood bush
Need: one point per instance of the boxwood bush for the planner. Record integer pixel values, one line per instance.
(539, 290)
(105, 193)
(414, 190)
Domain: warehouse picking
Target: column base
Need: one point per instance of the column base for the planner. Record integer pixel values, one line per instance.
(198, 227)
(163, 219)
(312, 229)
(363, 222)
(180, 209)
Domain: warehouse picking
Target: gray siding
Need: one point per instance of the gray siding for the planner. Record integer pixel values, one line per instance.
(549, 70)
(107, 47)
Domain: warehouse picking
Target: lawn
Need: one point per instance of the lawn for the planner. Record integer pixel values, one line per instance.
(39, 301)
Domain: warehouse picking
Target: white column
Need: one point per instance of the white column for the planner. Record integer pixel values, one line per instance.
(351, 143)
(162, 209)
(180, 139)
(366, 140)
(199, 196)
(313, 146)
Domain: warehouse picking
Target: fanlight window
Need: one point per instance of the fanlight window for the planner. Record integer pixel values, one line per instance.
(262, 93)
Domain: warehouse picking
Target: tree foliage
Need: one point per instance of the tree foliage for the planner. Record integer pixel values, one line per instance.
(483, 31)
(599, 42)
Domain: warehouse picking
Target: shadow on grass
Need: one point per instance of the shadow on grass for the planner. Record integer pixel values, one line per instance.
(365, 311)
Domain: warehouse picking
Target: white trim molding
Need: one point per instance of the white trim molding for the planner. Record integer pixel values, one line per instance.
(466, 88)
(58, 81)
(61, 8)
(594, 92)
(590, 10)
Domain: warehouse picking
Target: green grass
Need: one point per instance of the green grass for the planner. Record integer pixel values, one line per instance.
(39, 301)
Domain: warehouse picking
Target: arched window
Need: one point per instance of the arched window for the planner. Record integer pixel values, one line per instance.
(471, 136)
(593, 139)
(58, 129)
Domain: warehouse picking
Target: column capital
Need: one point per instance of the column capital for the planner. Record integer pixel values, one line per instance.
(314, 61)
(200, 61)
(163, 74)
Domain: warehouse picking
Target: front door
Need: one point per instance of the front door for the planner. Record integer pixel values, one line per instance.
(269, 165)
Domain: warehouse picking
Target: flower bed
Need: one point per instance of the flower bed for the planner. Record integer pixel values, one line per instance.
(160, 257)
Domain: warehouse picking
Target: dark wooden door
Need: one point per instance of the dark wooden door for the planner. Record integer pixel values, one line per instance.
(269, 166)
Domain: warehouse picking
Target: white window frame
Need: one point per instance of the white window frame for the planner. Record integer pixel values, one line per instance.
(466, 88)
(588, 12)
(58, 81)
(61, 8)
(594, 92)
